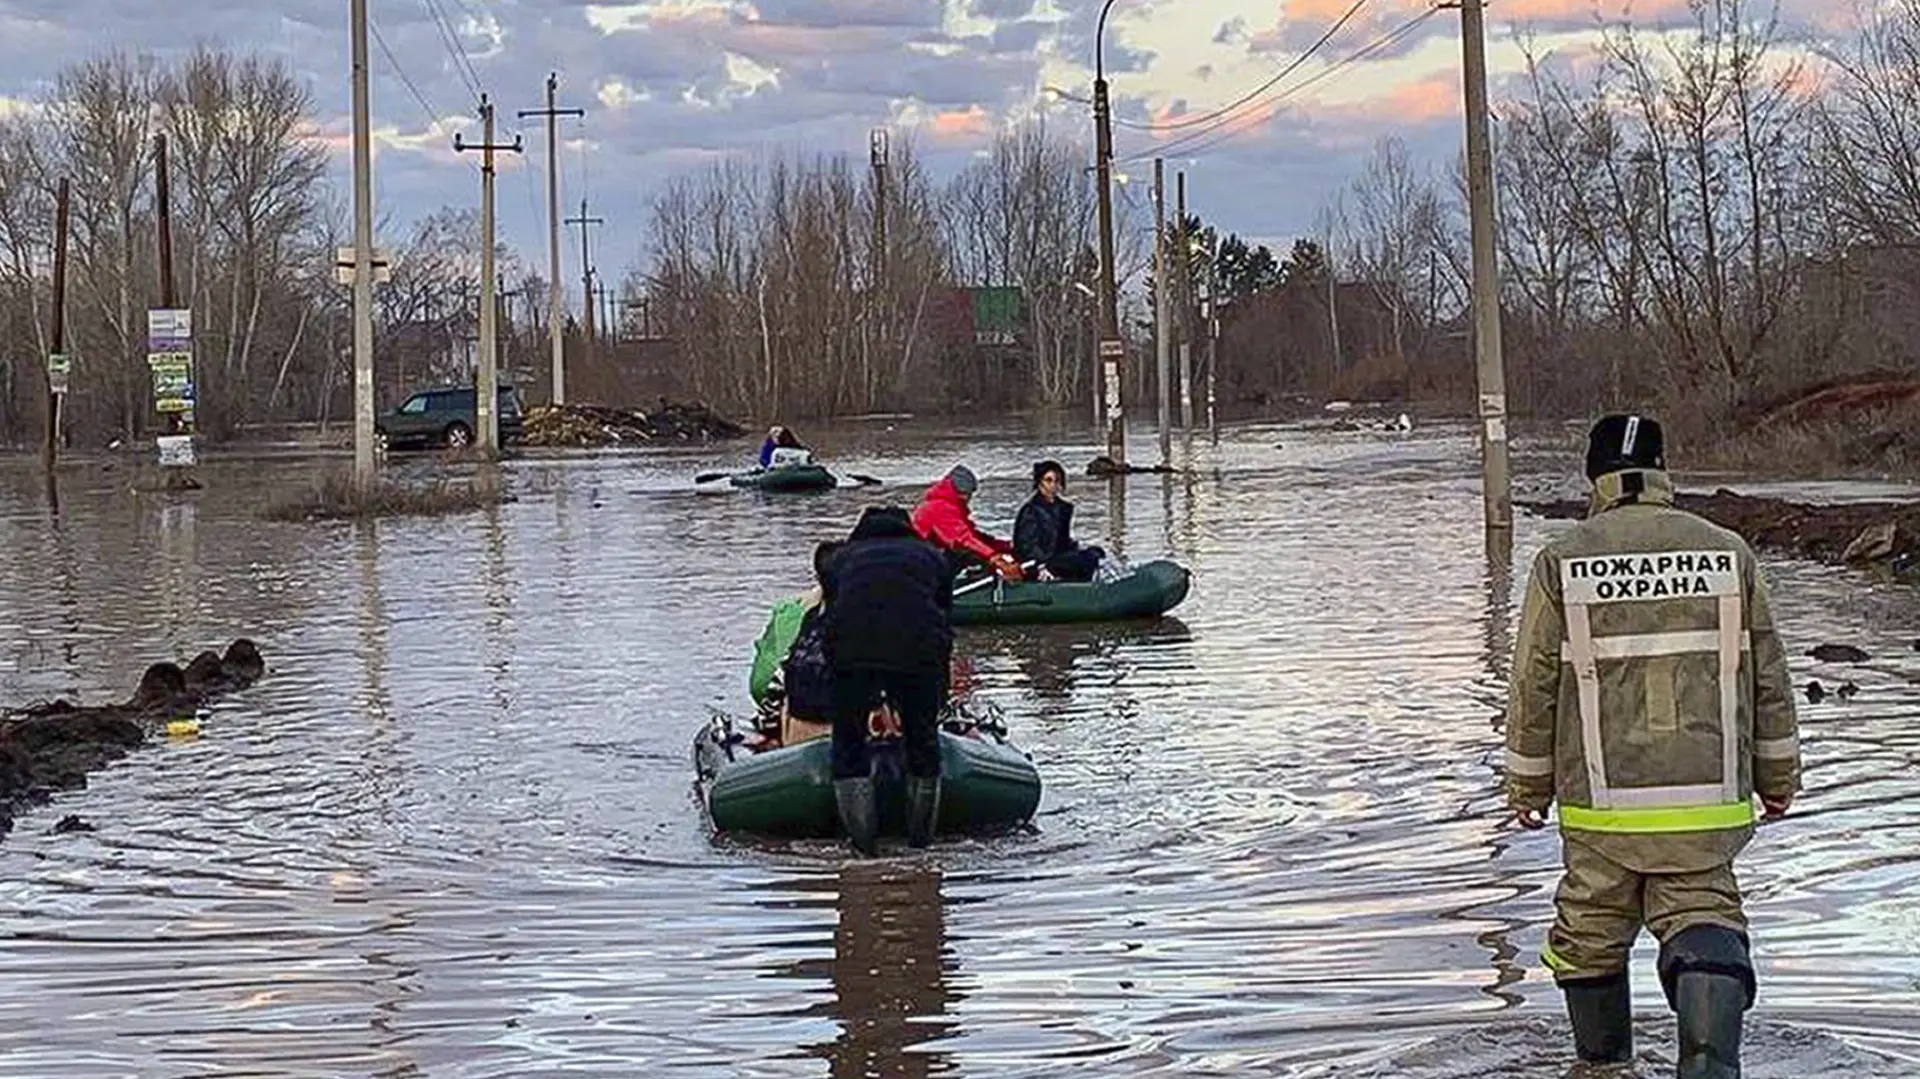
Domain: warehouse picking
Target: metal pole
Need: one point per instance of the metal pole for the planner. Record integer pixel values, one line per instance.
(556, 295)
(362, 258)
(1185, 270)
(1162, 312)
(1495, 482)
(54, 396)
(1113, 349)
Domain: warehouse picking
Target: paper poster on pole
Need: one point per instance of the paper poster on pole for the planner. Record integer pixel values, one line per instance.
(59, 368)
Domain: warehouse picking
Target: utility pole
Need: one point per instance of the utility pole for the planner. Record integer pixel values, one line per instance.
(1162, 312)
(163, 204)
(1185, 269)
(586, 273)
(487, 393)
(57, 363)
(879, 156)
(1113, 348)
(1213, 336)
(555, 306)
(1496, 487)
(362, 259)
(1333, 305)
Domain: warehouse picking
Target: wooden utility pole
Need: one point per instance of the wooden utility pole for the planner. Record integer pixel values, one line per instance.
(363, 474)
(1162, 312)
(487, 393)
(586, 273)
(555, 306)
(57, 363)
(1185, 269)
(1213, 333)
(1496, 488)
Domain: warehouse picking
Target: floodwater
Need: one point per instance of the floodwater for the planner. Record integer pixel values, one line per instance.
(452, 833)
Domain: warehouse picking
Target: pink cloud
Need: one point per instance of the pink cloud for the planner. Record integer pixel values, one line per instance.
(971, 122)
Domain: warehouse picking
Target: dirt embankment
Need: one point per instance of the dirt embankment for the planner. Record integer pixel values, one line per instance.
(1853, 533)
(51, 747)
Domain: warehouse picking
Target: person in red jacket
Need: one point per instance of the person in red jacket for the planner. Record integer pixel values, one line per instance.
(944, 518)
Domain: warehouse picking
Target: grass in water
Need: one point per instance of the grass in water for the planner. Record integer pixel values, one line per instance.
(335, 496)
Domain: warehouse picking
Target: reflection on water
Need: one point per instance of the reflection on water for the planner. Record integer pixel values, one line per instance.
(452, 833)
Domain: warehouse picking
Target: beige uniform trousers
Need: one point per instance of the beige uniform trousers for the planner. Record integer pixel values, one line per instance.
(1601, 906)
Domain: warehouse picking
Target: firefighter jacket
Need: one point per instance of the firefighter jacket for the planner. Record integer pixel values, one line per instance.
(1650, 696)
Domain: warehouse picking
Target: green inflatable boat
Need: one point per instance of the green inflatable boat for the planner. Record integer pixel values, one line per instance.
(786, 478)
(1150, 590)
(986, 785)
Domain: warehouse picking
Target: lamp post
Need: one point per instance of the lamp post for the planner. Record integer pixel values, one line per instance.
(1113, 350)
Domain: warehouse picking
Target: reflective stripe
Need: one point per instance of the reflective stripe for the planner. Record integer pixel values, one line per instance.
(1648, 645)
(1687, 797)
(1554, 961)
(1775, 749)
(1587, 672)
(1710, 818)
(1519, 764)
(1730, 698)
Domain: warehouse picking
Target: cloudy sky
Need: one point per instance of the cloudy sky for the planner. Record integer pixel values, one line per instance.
(672, 85)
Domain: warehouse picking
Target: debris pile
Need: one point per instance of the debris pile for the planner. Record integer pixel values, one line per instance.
(593, 425)
(50, 747)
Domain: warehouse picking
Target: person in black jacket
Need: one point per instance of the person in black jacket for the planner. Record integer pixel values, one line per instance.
(888, 618)
(1043, 533)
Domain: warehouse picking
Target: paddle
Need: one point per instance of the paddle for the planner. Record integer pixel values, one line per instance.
(989, 579)
(864, 481)
(709, 477)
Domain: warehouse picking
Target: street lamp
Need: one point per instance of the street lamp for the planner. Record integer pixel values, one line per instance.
(1112, 349)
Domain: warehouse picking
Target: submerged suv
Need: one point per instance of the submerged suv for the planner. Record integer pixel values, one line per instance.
(446, 417)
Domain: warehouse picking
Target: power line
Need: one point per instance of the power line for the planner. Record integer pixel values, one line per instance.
(1205, 140)
(451, 39)
(1217, 114)
(433, 115)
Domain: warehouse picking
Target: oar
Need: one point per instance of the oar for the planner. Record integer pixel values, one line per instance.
(989, 579)
(709, 477)
(864, 481)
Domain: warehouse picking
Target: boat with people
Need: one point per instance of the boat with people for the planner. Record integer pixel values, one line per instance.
(1148, 590)
(754, 784)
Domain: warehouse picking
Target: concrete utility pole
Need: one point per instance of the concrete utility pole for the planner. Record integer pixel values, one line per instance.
(1113, 348)
(487, 392)
(1162, 312)
(1496, 486)
(586, 275)
(555, 301)
(1185, 270)
(362, 258)
(1213, 336)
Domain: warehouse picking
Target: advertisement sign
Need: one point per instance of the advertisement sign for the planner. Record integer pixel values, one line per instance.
(59, 367)
(170, 356)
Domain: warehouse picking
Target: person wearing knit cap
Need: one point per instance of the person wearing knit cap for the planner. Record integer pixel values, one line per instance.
(944, 518)
(1650, 700)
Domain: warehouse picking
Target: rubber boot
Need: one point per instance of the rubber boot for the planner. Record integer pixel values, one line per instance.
(1710, 1007)
(923, 810)
(1602, 1013)
(859, 817)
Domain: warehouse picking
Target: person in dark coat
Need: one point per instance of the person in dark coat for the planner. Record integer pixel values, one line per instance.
(1043, 532)
(888, 619)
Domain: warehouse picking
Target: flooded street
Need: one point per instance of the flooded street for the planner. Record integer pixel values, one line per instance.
(452, 833)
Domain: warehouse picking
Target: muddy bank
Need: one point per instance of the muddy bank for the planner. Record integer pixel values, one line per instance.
(1854, 533)
(592, 425)
(52, 747)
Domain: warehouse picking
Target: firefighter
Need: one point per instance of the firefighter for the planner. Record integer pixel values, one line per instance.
(1650, 698)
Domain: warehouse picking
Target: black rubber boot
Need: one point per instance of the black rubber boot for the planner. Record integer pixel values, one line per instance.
(859, 817)
(923, 810)
(1710, 1008)
(1602, 1013)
